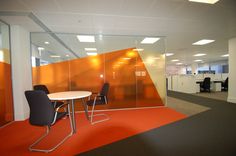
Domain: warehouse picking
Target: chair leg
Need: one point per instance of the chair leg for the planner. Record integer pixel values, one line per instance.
(47, 132)
(92, 115)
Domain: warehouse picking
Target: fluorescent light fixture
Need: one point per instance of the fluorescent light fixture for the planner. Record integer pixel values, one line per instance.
(149, 40)
(138, 49)
(55, 56)
(203, 42)
(169, 54)
(67, 55)
(86, 38)
(197, 60)
(199, 54)
(40, 48)
(90, 49)
(226, 55)
(91, 53)
(179, 63)
(175, 60)
(156, 58)
(204, 1)
(46, 42)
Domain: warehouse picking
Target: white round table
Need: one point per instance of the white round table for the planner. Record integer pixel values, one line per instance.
(72, 95)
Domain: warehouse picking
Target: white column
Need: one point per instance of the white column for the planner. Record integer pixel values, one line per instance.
(232, 71)
(194, 67)
(21, 70)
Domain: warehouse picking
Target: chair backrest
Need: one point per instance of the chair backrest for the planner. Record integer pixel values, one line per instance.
(42, 88)
(226, 82)
(104, 91)
(41, 109)
(207, 82)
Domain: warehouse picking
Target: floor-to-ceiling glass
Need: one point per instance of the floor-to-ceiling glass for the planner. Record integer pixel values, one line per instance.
(6, 102)
(134, 66)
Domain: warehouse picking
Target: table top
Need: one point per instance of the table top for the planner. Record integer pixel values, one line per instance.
(69, 95)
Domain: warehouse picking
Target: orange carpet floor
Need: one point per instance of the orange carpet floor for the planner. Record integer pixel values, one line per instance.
(16, 137)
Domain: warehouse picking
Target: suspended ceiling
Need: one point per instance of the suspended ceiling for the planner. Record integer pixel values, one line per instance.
(182, 22)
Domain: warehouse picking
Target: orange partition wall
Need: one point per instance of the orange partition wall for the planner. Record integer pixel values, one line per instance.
(120, 73)
(55, 76)
(6, 102)
(123, 69)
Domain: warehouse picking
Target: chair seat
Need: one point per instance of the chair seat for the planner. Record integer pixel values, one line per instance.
(98, 102)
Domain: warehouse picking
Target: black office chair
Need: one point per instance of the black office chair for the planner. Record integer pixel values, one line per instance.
(99, 99)
(42, 113)
(45, 89)
(206, 85)
(224, 85)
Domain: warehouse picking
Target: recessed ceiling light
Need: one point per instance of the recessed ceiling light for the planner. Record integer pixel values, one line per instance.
(199, 54)
(46, 42)
(205, 1)
(138, 49)
(40, 48)
(175, 60)
(90, 49)
(149, 40)
(169, 54)
(86, 38)
(203, 42)
(179, 63)
(226, 55)
(92, 53)
(55, 56)
(197, 60)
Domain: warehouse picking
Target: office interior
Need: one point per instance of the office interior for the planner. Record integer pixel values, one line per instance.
(173, 95)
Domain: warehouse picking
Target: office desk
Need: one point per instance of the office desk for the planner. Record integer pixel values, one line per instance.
(215, 85)
(72, 95)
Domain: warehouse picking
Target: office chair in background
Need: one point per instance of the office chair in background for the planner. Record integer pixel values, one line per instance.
(42, 113)
(224, 85)
(99, 99)
(206, 85)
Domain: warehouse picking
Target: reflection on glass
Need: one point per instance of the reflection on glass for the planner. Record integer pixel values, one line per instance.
(135, 71)
(6, 102)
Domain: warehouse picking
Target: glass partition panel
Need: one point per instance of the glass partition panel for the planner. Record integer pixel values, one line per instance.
(6, 102)
(134, 70)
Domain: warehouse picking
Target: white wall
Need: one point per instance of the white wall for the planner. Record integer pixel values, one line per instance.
(232, 71)
(21, 70)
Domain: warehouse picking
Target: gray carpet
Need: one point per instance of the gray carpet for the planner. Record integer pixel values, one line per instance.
(210, 133)
(185, 107)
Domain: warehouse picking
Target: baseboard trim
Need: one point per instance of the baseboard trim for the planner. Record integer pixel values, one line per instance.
(21, 117)
(231, 99)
